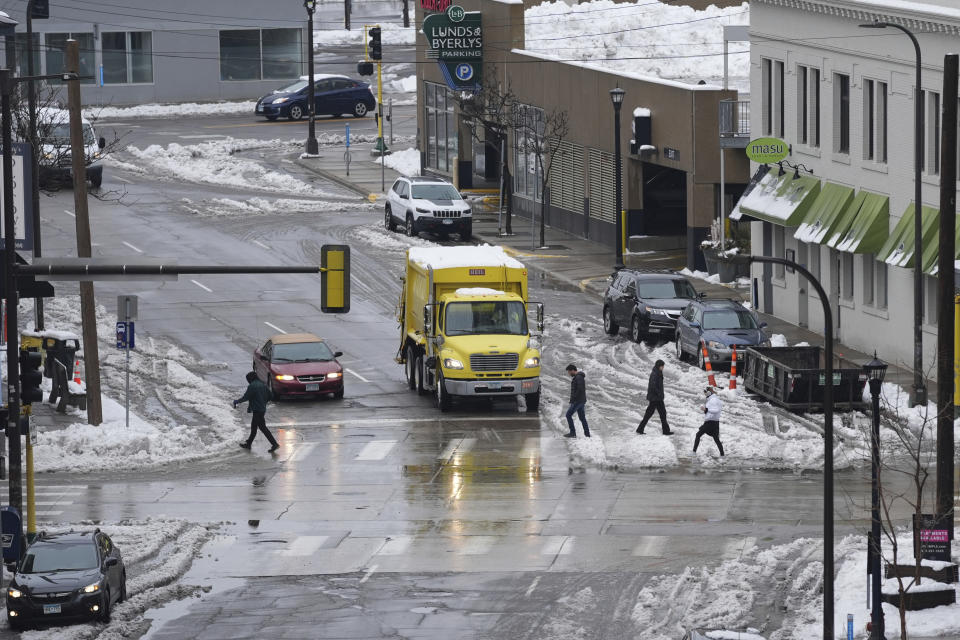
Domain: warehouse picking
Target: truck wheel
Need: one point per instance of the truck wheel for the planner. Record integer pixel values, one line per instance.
(409, 368)
(611, 327)
(533, 402)
(419, 367)
(443, 398)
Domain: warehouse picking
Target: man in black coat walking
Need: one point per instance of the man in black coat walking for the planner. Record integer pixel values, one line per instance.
(257, 395)
(655, 398)
(578, 401)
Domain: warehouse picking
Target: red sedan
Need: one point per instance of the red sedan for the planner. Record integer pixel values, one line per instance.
(299, 364)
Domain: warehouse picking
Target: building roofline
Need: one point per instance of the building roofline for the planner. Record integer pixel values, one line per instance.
(919, 17)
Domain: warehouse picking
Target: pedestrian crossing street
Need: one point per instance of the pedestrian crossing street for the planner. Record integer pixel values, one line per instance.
(49, 500)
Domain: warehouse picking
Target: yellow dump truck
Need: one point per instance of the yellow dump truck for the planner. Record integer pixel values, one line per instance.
(464, 329)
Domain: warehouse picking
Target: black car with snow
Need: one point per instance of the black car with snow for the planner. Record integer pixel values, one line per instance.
(67, 577)
(718, 325)
(647, 303)
(427, 204)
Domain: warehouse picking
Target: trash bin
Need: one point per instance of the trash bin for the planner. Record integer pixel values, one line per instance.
(59, 349)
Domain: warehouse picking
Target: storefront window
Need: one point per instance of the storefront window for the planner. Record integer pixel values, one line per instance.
(528, 149)
(441, 127)
(21, 39)
(240, 54)
(56, 45)
(281, 53)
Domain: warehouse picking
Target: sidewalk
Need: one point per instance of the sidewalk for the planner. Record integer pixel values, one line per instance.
(576, 261)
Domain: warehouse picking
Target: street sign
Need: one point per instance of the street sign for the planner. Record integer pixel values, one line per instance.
(11, 533)
(126, 307)
(767, 150)
(22, 194)
(348, 136)
(125, 335)
(455, 41)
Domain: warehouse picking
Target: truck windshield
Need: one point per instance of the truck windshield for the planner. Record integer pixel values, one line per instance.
(729, 319)
(466, 318)
(60, 135)
(666, 289)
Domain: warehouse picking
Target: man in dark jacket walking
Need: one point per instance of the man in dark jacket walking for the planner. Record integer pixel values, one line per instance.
(655, 399)
(257, 395)
(578, 401)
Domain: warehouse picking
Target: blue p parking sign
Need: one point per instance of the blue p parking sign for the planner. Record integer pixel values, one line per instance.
(464, 72)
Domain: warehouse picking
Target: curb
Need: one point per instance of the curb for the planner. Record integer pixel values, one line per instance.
(353, 186)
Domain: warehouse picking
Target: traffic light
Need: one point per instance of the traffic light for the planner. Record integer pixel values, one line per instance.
(335, 278)
(30, 377)
(376, 52)
(365, 68)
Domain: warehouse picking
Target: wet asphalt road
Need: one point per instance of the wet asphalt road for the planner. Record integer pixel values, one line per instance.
(377, 518)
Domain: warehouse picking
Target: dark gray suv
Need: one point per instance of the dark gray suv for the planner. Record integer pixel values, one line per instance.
(718, 325)
(648, 303)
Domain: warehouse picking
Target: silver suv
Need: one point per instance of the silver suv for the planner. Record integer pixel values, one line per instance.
(427, 204)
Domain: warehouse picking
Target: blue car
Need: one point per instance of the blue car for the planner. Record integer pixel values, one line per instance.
(333, 95)
(718, 325)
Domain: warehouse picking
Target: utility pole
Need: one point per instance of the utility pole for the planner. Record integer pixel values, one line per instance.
(35, 147)
(406, 12)
(945, 288)
(346, 14)
(88, 308)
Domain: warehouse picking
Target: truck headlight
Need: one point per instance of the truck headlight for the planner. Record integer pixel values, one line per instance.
(283, 376)
(14, 593)
(91, 588)
(713, 344)
(452, 363)
(532, 362)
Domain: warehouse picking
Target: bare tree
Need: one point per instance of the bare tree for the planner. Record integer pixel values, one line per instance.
(539, 137)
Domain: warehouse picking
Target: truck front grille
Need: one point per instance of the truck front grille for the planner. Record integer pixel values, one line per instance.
(446, 213)
(497, 362)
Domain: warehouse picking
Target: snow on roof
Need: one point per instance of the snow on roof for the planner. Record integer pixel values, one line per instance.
(641, 112)
(907, 6)
(453, 257)
(478, 291)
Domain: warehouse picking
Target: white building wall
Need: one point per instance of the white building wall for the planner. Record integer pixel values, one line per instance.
(825, 35)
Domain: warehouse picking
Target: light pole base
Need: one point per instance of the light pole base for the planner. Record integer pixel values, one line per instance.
(380, 148)
(312, 147)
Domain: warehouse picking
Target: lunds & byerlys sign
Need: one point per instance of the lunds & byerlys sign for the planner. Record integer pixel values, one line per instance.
(455, 41)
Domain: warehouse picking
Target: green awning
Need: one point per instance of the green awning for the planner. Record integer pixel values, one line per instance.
(779, 199)
(898, 250)
(931, 252)
(864, 226)
(825, 212)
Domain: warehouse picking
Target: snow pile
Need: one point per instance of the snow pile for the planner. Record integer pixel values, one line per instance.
(377, 236)
(186, 109)
(654, 39)
(156, 553)
(264, 206)
(159, 375)
(407, 84)
(219, 162)
(405, 162)
(700, 275)
(390, 34)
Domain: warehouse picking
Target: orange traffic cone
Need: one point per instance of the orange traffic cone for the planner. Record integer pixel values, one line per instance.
(76, 372)
(733, 368)
(706, 363)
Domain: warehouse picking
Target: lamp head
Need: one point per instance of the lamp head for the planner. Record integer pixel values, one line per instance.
(874, 25)
(876, 369)
(782, 171)
(310, 5)
(616, 96)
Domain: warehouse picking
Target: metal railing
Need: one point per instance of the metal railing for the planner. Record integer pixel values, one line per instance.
(734, 118)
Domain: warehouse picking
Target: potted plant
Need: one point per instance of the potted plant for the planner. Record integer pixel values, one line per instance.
(717, 258)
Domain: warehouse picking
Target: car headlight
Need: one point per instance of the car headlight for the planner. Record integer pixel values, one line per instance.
(14, 593)
(283, 376)
(452, 363)
(467, 212)
(419, 210)
(279, 100)
(334, 375)
(91, 588)
(532, 362)
(713, 344)
(659, 312)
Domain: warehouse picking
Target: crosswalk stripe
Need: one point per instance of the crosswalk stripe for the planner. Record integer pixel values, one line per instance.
(303, 546)
(43, 503)
(303, 451)
(650, 546)
(477, 545)
(376, 450)
(557, 546)
(49, 513)
(461, 447)
(395, 546)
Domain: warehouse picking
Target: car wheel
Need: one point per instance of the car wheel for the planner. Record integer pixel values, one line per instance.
(411, 226)
(273, 392)
(700, 361)
(409, 368)
(296, 112)
(533, 402)
(419, 369)
(635, 333)
(16, 625)
(271, 118)
(443, 398)
(123, 587)
(388, 220)
(680, 355)
(360, 109)
(609, 326)
(105, 607)
(338, 394)
(96, 179)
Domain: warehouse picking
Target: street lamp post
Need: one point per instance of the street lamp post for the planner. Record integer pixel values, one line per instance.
(875, 370)
(312, 146)
(919, 386)
(616, 96)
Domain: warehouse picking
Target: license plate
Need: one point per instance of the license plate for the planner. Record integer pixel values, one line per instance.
(51, 608)
(448, 221)
(313, 387)
(493, 386)
(654, 330)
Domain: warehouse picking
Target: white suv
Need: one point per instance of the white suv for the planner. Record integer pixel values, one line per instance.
(427, 204)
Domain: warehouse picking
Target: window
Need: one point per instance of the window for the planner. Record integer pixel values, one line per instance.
(846, 276)
(772, 96)
(127, 57)
(55, 58)
(808, 105)
(22, 68)
(779, 250)
(931, 119)
(880, 281)
(841, 113)
(254, 54)
(441, 127)
(868, 279)
(875, 121)
(528, 150)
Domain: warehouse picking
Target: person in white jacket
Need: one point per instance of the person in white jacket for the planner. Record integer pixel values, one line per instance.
(711, 423)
